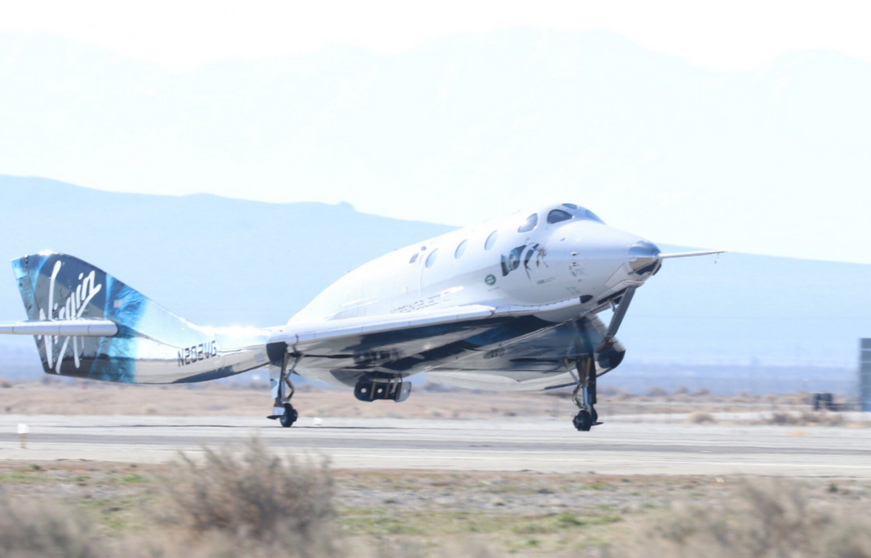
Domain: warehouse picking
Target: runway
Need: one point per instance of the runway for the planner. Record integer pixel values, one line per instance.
(537, 445)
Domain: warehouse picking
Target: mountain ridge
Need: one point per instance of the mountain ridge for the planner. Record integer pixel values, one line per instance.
(236, 262)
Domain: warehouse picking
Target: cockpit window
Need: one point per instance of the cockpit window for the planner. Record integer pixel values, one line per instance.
(432, 258)
(413, 258)
(557, 215)
(491, 240)
(571, 206)
(594, 217)
(530, 223)
(461, 247)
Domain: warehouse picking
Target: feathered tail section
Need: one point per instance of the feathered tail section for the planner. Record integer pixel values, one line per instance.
(88, 324)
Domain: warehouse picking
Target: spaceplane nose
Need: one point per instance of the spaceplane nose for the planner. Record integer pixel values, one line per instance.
(607, 244)
(644, 257)
(644, 249)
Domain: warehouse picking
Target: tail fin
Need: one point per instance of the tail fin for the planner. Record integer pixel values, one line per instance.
(152, 345)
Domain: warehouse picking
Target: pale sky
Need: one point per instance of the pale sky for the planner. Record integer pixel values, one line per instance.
(179, 35)
(96, 147)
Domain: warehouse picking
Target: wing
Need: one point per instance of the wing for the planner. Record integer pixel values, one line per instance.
(539, 362)
(400, 345)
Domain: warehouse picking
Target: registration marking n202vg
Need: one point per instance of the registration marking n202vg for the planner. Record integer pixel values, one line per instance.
(196, 353)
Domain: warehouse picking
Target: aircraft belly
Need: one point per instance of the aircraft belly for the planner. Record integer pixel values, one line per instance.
(509, 354)
(522, 380)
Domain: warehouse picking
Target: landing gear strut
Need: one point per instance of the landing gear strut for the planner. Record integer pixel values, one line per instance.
(584, 396)
(585, 393)
(282, 392)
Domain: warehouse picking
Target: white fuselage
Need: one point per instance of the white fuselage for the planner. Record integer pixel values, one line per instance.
(567, 267)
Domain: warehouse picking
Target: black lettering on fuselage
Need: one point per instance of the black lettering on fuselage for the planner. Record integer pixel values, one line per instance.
(196, 353)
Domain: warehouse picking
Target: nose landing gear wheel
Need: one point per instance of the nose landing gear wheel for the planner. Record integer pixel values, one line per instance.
(289, 417)
(584, 396)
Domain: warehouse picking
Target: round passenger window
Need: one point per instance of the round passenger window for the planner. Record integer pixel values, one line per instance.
(431, 258)
(461, 248)
(557, 216)
(530, 223)
(491, 240)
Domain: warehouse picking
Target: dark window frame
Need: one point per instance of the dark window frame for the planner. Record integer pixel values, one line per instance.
(491, 240)
(555, 216)
(527, 226)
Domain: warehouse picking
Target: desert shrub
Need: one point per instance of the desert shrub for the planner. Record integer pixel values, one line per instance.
(743, 397)
(38, 530)
(702, 392)
(804, 418)
(771, 519)
(255, 496)
(656, 392)
(701, 418)
(609, 391)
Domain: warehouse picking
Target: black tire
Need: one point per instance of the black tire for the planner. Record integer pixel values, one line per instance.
(289, 417)
(583, 421)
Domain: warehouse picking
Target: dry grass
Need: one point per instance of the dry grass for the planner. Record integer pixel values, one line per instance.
(255, 496)
(804, 418)
(769, 520)
(701, 418)
(250, 503)
(37, 530)
(253, 504)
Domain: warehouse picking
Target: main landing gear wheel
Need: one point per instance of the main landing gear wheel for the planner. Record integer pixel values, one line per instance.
(282, 391)
(289, 417)
(584, 421)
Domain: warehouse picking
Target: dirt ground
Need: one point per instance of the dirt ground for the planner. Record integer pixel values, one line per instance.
(519, 514)
(97, 398)
(437, 513)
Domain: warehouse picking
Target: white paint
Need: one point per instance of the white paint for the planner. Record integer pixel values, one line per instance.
(70, 309)
(543, 280)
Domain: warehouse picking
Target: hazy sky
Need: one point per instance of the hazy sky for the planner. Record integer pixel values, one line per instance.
(766, 211)
(178, 35)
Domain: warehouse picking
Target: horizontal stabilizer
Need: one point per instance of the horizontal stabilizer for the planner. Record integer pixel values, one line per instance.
(62, 328)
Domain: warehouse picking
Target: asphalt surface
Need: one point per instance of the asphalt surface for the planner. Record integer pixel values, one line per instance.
(540, 445)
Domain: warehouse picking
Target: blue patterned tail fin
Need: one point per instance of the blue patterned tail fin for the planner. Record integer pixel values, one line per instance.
(152, 345)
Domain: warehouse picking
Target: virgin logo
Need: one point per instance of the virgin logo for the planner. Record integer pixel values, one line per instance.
(71, 308)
